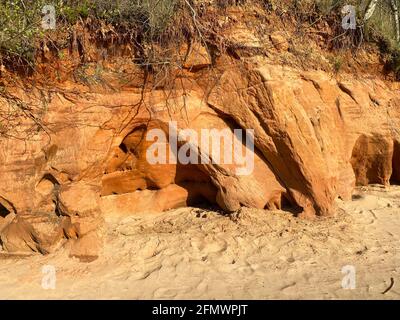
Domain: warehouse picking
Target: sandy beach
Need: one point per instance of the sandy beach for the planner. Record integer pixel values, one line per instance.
(196, 253)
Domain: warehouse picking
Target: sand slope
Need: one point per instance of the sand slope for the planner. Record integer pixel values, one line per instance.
(195, 253)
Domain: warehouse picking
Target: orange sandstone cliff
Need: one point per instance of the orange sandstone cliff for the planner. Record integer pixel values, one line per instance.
(77, 152)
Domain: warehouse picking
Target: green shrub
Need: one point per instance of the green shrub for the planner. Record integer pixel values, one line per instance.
(70, 11)
(19, 27)
(382, 21)
(20, 21)
(151, 16)
(337, 63)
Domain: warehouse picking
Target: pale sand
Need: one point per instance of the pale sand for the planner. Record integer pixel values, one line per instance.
(259, 255)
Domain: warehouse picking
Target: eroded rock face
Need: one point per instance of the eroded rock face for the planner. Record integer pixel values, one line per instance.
(7, 213)
(279, 41)
(315, 138)
(372, 159)
(39, 233)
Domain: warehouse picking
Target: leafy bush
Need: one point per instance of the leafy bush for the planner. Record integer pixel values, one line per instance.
(20, 21)
(382, 20)
(70, 11)
(19, 27)
(152, 16)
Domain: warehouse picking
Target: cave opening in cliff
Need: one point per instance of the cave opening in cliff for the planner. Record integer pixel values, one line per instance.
(5, 208)
(372, 160)
(395, 178)
(289, 205)
(201, 202)
(4, 212)
(129, 175)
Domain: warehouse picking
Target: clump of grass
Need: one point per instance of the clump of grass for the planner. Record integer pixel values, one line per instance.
(337, 63)
(151, 16)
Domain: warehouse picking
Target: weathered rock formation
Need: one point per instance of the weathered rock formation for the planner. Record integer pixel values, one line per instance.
(315, 138)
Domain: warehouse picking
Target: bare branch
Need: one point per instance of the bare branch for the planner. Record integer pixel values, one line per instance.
(370, 10)
(395, 9)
